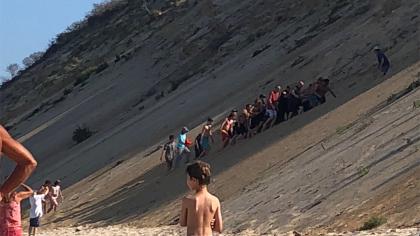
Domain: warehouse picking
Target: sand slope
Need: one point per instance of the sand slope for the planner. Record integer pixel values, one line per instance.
(280, 180)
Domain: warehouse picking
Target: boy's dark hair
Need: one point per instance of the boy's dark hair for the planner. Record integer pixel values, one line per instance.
(171, 136)
(47, 182)
(201, 171)
(210, 119)
(57, 182)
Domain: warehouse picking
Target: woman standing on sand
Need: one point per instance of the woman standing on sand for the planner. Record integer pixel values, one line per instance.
(10, 219)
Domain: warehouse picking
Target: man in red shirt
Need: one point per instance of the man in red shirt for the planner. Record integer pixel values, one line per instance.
(271, 111)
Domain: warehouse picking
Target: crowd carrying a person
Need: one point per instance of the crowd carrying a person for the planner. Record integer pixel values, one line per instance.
(279, 105)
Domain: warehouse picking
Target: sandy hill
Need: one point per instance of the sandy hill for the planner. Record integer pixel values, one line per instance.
(134, 77)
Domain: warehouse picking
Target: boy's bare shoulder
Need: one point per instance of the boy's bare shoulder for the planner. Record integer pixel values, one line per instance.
(188, 198)
(214, 198)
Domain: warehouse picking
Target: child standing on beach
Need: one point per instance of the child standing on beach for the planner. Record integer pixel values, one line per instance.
(201, 212)
(36, 211)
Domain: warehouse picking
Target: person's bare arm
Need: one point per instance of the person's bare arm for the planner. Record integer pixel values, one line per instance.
(218, 222)
(161, 155)
(24, 194)
(184, 213)
(25, 163)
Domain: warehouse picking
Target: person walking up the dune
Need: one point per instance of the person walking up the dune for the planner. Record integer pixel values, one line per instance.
(182, 148)
(201, 212)
(271, 111)
(322, 88)
(36, 211)
(168, 152)
(206, 136)
(56, 196)
(10, 216)
(226, 130)
(259, 114)
(383, 62)
(295, 101)
(46, 186)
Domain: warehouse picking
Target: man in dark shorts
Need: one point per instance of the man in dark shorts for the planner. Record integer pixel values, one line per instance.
(169, 152)
(259, 116)
(36, 211)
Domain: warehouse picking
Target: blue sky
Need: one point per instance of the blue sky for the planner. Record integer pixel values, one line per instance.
(27, 26)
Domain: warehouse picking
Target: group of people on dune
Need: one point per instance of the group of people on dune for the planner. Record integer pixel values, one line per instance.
(11, 198)
(201, 211)
(278, 106)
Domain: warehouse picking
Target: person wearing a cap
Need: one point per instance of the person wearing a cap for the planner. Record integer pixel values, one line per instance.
(383, 62)
(182, 148)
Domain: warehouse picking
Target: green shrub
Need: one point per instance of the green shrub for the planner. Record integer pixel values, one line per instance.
(363, 171)
(101, 67)
(67, 91)
(85, 75)
(81, 133)
(373, 222)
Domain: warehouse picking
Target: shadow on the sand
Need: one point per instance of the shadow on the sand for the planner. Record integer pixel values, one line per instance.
(156, 188)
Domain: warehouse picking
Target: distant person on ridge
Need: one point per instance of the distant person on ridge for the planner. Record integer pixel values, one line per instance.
(383, 62)
(206, 136)
(201, 212)
(168, 151)
(25, 164)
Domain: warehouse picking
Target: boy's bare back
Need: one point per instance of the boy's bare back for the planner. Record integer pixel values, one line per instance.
(201, 214)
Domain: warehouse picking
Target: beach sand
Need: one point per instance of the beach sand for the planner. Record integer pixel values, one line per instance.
(173, 230)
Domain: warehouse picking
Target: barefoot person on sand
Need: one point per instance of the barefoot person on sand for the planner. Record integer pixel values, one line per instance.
(36, 211)
(226, 130)
(56, 196)
(25, 164)
(169, 152)
(182, 148)
(206, 136)
(201, 212)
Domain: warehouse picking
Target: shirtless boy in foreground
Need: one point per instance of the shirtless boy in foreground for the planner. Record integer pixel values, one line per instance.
(201, 212)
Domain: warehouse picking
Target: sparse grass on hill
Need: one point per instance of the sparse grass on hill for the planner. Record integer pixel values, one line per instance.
(81, 133)
(373, 222)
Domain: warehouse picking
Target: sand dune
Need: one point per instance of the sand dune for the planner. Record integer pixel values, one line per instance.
(163, 231)
(201, 60)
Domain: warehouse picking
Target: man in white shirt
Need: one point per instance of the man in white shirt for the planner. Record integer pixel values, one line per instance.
(36, 211)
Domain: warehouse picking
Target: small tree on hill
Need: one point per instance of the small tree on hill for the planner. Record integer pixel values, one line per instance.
(13, 69)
